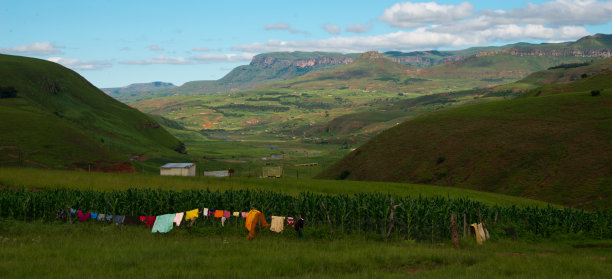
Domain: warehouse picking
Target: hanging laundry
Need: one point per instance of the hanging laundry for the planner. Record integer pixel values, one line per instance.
(211, 213)
(94, 216)
(118, 219)
(132, 220)
(163, 223)
(178, 217)
(73, 211)
(191, 214)
(108, 217)
(227, 214)
(143, 218)
(223, 221)
(219, 213)
(101, 217)
(205, 212)
(83, 216)
(277, 224)
(252, 218)
(236, 214)
(290, 221)
(244, 214)
(150, 222)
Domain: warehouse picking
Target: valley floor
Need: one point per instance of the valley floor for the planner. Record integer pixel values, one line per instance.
(89, 250)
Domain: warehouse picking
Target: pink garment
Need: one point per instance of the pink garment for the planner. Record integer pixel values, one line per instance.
(227, 214)
(83, 216)
(178, 218)
(244, 214)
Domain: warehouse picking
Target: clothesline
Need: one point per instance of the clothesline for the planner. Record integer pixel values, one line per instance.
(165, 223)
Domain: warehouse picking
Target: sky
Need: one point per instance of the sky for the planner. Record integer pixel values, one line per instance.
(117, 43)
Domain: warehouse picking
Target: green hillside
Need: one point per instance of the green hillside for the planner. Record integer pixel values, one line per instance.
(59, 120)
(551, 147)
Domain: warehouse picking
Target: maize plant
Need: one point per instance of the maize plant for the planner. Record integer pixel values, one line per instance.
(425, 219)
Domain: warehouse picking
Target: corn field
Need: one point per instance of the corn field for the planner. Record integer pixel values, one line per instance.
(424, 219)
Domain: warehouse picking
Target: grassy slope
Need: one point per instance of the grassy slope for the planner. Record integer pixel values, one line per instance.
(554, 148)
(13, 177)
(61, 120)
(35, 250)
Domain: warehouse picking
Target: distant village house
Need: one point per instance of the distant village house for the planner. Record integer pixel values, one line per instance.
(180, 169)
(220, 173)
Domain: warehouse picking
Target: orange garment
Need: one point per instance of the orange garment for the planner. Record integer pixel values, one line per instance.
(252, 218)
(218, 213)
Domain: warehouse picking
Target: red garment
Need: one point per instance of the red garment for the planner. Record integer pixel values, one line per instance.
(289, 221)
(143, 218)
(150, 221)
(227, 214)
(83, 216)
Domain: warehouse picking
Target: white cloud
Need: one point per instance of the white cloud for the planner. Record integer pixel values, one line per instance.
(155, 48)
(358, 28)
(560, 12)
(433, 26)
(282, 26)
(37, 48)
(219, 58)
(160, 59)
(201, 49)
(332, 29)
(420, 39)
(77, 64)
(408, 14)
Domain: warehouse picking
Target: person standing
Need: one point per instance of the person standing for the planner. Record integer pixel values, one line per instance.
(299, 227)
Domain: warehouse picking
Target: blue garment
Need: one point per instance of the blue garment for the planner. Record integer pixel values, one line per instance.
(94, 216)
(72, 211)
(109, 217)
(163, 223)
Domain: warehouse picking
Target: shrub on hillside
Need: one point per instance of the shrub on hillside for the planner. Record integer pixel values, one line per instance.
(8, 92)
(595, 93)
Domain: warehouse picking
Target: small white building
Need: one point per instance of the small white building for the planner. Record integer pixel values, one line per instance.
(180, 169)
(221, 173)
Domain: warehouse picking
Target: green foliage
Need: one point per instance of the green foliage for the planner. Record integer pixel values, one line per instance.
(362, 212)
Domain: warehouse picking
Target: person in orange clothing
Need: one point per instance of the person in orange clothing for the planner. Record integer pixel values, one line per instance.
(254, 217)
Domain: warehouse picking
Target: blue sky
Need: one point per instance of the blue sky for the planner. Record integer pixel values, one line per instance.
(116, 43)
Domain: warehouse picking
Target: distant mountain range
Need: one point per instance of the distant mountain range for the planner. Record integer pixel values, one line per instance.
(492, 65)
(136, 88)
(57, 119)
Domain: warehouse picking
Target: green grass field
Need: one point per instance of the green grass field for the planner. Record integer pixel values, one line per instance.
(90, 250)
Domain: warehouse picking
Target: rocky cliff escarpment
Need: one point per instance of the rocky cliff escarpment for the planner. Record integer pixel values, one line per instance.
(265, 61)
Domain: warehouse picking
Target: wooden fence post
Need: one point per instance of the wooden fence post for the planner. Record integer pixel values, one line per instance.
(464, 225)
(331, 228)
(391, 219)
(69, 216)
(453, 225)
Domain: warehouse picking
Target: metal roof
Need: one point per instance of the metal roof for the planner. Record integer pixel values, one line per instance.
(176, 165)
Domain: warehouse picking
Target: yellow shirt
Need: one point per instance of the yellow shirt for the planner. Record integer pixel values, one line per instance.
(191, 214)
